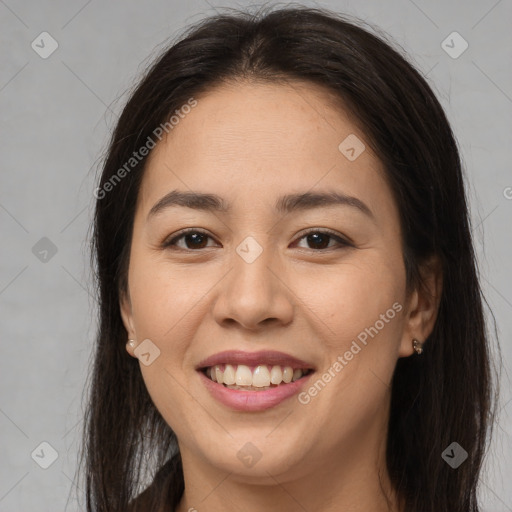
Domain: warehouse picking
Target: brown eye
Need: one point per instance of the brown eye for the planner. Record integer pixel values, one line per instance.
(319, 240)
(193, 239)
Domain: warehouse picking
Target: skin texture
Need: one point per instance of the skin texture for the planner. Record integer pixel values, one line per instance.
(250, 143)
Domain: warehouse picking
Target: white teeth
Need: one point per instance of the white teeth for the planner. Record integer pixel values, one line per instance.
(229, 375)
(276, 375)
(287, 374)
(243, 375)
(263, 376)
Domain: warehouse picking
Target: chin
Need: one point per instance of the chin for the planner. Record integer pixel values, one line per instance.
(257, 457)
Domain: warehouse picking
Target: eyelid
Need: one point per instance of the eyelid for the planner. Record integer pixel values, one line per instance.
(181, 233)
(342, 240)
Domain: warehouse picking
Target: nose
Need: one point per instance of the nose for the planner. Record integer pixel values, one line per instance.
(254, 294)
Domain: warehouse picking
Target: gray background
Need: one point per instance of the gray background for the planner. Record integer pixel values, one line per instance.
(56, 117)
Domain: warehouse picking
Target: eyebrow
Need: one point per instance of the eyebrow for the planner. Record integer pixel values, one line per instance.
(285, 204)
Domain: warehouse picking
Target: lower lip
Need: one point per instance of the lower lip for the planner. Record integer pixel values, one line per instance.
(253, 400)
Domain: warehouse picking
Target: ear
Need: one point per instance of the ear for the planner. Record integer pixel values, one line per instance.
(125, 307)
(423, 305)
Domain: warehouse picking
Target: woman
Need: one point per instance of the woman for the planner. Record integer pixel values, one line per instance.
(290, 314)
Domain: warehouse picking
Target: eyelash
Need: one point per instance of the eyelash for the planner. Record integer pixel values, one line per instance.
(170, 243)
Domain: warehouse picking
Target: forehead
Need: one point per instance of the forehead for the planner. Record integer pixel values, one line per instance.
(251, 142)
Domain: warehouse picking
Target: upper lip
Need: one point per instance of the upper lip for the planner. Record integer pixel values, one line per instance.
(270, 357)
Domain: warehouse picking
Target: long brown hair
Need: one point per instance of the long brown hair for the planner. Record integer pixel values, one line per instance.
(443, 396)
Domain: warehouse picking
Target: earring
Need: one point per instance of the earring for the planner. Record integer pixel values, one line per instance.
(131, 343)
(417, 346)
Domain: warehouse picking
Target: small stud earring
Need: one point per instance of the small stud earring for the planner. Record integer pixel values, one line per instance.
(418, 347)
(131, 343)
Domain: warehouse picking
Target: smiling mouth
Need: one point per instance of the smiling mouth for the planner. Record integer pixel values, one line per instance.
(254, 378)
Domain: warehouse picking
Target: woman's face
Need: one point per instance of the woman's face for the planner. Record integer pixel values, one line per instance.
(253, 282)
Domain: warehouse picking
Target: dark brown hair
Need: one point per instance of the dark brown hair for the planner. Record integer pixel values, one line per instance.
(443, 396)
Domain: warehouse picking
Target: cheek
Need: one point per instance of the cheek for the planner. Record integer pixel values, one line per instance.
(359, 320)
(351, 297)
(165, 303)
(162, 296)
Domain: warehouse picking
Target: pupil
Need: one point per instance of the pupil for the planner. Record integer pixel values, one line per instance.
(314, 239)
(195, 237)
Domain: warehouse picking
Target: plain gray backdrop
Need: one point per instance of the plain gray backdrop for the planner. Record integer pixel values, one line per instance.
(57, 113)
